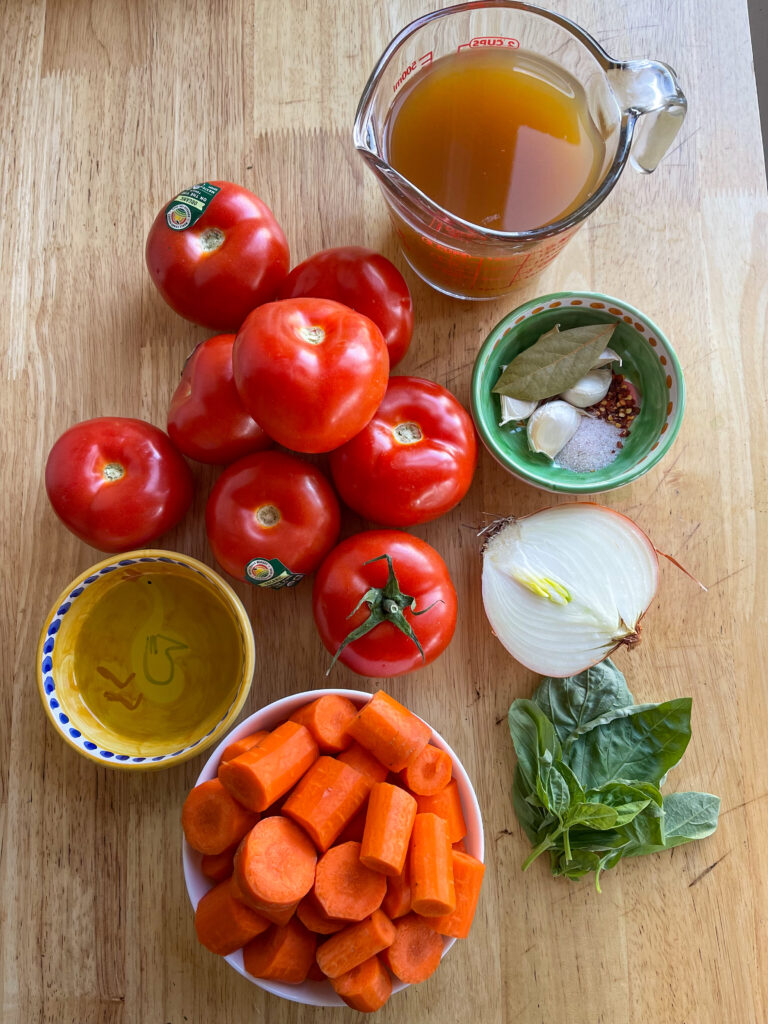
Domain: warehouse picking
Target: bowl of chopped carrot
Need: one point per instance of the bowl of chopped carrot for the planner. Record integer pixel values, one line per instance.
(333, 849)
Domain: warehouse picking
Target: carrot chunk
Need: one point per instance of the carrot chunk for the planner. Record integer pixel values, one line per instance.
(327, 719)
(429, 772)
(218, 866)
(213, 820)
(363, 761)
(467, 877)
(446, 804)
(274, 913)
(264, 773)
(312, 916)
(388, 824)
(416, 950)
(358, 942)
(275, 866)
(326, 799)
(431, 864)
(398, 898)
(344, 887)
(392, 733)
(238, 747)
(366, 987)
(223, 924)
(284, 953)
(461, 846)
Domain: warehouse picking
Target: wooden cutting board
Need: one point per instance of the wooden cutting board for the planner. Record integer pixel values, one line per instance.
(109, 108)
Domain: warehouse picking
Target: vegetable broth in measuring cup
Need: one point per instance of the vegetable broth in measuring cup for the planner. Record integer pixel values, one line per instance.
(501, 138)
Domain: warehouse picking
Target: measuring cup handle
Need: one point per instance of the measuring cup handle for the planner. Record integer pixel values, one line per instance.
(650, 92)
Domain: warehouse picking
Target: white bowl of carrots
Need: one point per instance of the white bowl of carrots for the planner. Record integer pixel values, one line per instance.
(346, 857)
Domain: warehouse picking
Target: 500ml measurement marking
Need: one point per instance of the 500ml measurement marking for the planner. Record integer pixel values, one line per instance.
(505, 41)
(416, 65)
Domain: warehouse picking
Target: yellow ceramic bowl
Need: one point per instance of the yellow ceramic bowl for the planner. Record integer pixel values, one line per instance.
(145, 660)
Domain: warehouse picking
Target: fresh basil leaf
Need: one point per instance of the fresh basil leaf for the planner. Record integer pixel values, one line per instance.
(628, 800)
(530, 817)
(629, 811)
(575, 790)
(580, 864)
(533, 736)
(618, 792)
(689, 816)
(597, 816)
(573, 702)
(645, 833)
(599, 842)
(552, 789)
(642, 746)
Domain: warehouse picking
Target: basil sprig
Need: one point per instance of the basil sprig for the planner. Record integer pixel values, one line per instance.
(590, 767)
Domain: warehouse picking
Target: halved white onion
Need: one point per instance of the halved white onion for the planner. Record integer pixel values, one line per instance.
(564, 587)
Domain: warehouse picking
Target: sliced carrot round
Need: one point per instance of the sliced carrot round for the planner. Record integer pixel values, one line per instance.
(429, 772)
(284, 953)
(392, 733)
(327, 719)
(326, 799)
(213, 820)
(388, 824)
(344, 887)
(275, 863)
(366, 987)
(223, 924)
(312, 916)
(357, 943)
(218, 866)
(416, 950)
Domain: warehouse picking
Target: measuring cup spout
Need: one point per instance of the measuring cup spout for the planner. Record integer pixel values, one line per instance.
(651, 96)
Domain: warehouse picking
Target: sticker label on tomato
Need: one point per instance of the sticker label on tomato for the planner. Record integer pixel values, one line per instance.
(270, 572)
(189, 205)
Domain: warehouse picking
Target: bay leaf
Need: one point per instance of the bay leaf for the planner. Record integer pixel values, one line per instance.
(554, 363)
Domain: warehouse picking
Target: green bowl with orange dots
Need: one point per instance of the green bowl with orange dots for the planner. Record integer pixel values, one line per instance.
(649, 364)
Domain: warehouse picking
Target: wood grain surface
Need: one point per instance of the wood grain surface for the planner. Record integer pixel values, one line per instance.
(109, 107)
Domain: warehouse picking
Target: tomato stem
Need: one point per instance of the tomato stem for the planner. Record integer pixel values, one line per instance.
(407, 433)
(268, 516)
(386, 604)
(113, 471)
(211, 239)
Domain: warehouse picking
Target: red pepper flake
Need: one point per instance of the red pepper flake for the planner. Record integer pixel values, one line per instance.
(619, 407)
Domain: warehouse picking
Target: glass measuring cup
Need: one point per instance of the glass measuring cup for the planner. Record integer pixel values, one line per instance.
(636, 105)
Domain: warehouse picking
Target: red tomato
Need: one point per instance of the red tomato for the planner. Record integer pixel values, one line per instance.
(415, 459)
(213, 267)
(271, 518)
(311, 371)
(365, 281)
(117, 483)
(344, 579)
(207, 420)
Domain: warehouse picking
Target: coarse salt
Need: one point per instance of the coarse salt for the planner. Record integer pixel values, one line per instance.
(594, 445)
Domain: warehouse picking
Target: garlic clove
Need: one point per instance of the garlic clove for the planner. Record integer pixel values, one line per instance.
(515, 409)
(552, 426)
(608, 357)
(590, 390)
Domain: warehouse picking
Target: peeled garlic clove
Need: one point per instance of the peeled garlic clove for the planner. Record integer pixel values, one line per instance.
(590, 389)
(552, 426)
(608, 357)
(515, 409)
